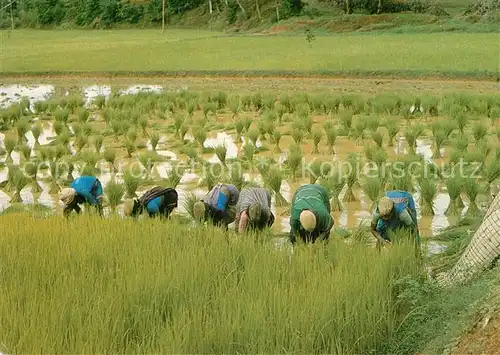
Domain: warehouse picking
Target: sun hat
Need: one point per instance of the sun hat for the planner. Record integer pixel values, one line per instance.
(67, 195)
(308, 220)
(385, 206)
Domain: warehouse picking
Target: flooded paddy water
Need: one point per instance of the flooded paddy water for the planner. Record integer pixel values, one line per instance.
(159, 108)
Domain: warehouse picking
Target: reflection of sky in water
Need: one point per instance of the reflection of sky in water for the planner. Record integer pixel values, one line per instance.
(10, 94)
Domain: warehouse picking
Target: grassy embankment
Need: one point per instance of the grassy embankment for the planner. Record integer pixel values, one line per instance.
(147, 52)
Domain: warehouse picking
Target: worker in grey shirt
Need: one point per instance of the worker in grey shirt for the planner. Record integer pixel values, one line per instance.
(219, 205)
(253, 210)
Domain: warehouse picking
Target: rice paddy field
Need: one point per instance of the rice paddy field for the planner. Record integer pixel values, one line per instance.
(97, 285)
(148, 51)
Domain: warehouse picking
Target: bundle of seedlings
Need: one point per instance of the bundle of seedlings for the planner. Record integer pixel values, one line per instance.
(294, 160)
(32, 169)
(479, 131)
(253, 136)
(143, 123)
(61, 116)
(25, 151)
(248, 153)
(211, 175)
(428, 190)
(317, 135)
(491, 173)
(461, 120)
(200, 135)
(114, 192)
(132, 179)
(359, 130)
(412, 134)
(351, 176)
(147, 160)
(461, 143)
(154, 139)
(373, 188)
(273, 180)
(454, 186)
(109, 156)
(331, 138)
(372, 123)
(36, 130)
(346, 119)
(82, 114)
(471, 189)
(10, 144)
(97, 142)
(19, 181)
(235, 176)
(57, 169)
(298, 135)
(234, 105)
(334, 183)
(80, 142)
(277, 138)
(239, 125)
(378, 137)
(22, 127)
(221, 152)
(129, 147)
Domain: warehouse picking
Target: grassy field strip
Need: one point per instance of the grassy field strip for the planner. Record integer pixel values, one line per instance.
(147, 51)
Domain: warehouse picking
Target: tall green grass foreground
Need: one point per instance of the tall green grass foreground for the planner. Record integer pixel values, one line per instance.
(92, 285)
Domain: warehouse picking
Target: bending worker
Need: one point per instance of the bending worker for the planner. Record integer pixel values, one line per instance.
(83, 190)
(395, 211)
(253, 210)
(218, 206)
(310, 216)
(159, 201)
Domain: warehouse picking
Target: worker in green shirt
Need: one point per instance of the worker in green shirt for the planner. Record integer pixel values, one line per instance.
(310, 216)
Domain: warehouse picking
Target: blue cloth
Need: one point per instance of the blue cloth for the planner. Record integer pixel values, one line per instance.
(222, 201)
(402, 201)
(89, 187)
(154, 205)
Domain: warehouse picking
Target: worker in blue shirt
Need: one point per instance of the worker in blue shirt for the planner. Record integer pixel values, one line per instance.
(84, 190)
(158, 201)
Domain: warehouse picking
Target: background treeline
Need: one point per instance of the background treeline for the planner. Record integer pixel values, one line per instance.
(110, 13)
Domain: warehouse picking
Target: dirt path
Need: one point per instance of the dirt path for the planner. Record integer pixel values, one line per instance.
(365, 85)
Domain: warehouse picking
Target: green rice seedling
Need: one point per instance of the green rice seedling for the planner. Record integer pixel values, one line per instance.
(428, 190)
(483, 148)
(178, 121)
(147, 160)
(61, 115)
(220, 99)
(189, 201)
(74, 102)
(497, 131)
(359, 130)
(248, 152)
(331, 138)
(41, 107)
(263, 165)
(379, 157)
(270, 128)
(479, 131)
(80, 143)
(10, 144)
(22, 128)
(448, 127)
(378, 137)
(346, 119)
(183, 131)
(494, 115)
(235, 105)
(212, 107)
(298, 135)
(246, 102)
(253, 136)
(9, 183)
(235, 176)
(277, 138)
(454, 186)
(200, 136)
(351, 177)
(279, 110)
(154, 139)
(143, 123)
(31, 169)
(372, 123)
(368, 150)
(461, 143)
(56, 171)
(211, 175)
(328, 124)
(248, 122)
(132, 180)
(314, 171)
(109, 155)
(97, 142)
(19, 181)
(273, 180)
(36, 130)
(462, 120)
(239, 125)
(221, 152)
(439, 139)
(87, 129)
(71, 169)
(373, 188)
(114, 192)
(175, 175)
(268, 100)
(82, 114)
(471, 189)
(25, 151)
(257, 101)
(294, 160)
(334, 184)
(99, 102)
(262, 127)
(130, 147)
(77, 129)
(191, 107)
(413, 133)
(59, 128)
(316, 136)
(491, 173)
